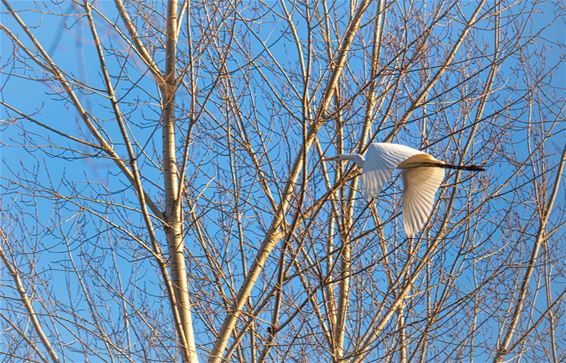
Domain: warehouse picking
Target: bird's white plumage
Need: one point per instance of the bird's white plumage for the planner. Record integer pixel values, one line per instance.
(380, 161)
(419, 188)
(420, 183)
(422, 175)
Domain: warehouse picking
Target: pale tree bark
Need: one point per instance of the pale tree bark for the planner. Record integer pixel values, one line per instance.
(274, 235)
(173, 198)
(27, 303)
(167, 193)
(519, 304)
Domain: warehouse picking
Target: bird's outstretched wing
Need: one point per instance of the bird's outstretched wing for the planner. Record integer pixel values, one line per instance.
(419, 188)
(380, 161)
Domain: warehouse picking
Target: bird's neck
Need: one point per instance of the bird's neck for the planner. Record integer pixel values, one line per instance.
(356, 158)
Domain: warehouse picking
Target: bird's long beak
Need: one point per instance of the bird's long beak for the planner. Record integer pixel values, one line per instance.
(331, 158)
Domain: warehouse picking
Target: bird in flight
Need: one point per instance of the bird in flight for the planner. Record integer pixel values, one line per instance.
(421, 174)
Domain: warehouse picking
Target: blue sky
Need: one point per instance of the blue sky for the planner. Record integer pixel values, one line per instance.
(69, 43)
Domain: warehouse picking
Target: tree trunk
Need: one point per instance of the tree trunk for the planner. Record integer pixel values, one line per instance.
(173, 211)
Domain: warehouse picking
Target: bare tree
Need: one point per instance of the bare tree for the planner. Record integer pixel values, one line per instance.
(166, 198)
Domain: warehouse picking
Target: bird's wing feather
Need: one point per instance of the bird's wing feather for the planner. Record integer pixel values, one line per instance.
(419, 188)
(380, 161)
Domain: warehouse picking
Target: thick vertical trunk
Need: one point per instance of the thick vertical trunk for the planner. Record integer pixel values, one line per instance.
(173, 210)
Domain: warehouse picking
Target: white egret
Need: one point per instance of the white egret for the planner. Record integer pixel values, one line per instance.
(421, 173)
